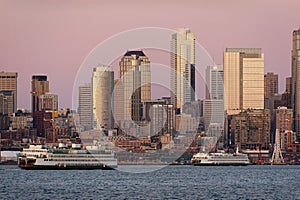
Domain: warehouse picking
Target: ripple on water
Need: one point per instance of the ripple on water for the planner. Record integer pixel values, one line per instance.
(173, 182)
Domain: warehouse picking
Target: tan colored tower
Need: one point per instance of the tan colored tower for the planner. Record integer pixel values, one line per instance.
(102, 90)
(39, 86)
(8, 87)
(133, 87)
(296, 81)
(243, 79)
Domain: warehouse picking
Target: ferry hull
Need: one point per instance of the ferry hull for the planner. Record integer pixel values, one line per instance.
(48, 167)
(221, 164)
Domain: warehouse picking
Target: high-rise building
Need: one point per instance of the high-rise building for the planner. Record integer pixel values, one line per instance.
(133, 87)
(288, 84)
(287, 95)
(214, 82)
(85, 106)
(6, 102)
(39, 86)
(48, 102)
(8, 84)
(243, 79)
(183, 68)
(296, 81)
(103, 85)
(270, 84)
(213, 105)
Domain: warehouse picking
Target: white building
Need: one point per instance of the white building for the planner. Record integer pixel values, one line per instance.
(85, 106)
(182, 68)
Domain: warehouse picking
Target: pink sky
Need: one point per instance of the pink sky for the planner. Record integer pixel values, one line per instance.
(54, 37)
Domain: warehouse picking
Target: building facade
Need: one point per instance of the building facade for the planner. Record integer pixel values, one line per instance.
(243, 79)
(103, 86)
(213, 112)
(270, 84)
(85, 106)
(296, 81)
(213, 105)
(8, 87)
(39, 86)
(160, 116)
(48, 101)
(133, 87)
(214, 82)
(249, 129)
(182, 68)
(284, 119)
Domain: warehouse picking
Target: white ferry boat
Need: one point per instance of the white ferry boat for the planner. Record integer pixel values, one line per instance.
(220, 158)
(62, 158)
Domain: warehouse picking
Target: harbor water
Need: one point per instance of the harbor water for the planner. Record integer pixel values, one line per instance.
(170, 182)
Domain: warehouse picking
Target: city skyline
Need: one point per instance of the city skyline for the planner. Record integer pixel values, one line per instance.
(53, 49)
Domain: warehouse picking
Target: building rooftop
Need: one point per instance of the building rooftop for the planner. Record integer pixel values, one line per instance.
(138, 53)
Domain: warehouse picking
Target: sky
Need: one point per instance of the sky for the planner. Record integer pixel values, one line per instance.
(54, 37)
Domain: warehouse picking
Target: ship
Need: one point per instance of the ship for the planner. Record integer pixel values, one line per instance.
(41, 157)
(220, 158)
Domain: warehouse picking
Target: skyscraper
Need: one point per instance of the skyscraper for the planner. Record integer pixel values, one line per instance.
(287, 95)
(214, 82)
(243, 79)
(133, 87)
(183, 68)
(85, 106)
(8, 87)
(39, 86)
(213, 105)
(296, 81)
(272, 98)
(103, 85)
(270, 84)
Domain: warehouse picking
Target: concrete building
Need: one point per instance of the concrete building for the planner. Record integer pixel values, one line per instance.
(213, 112)
(18, 122)
(270, 84)
(6, 102)
(85, 106)
(183, 68)
(42, 122)
(48, 101)
(160, 115)
(39, 86)
(213, 105)
(249, 129)
(8, 84)
(287, 95)
(214, 82)
(284, 119)
(296, 81)
(243, 79)
(103, 86)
